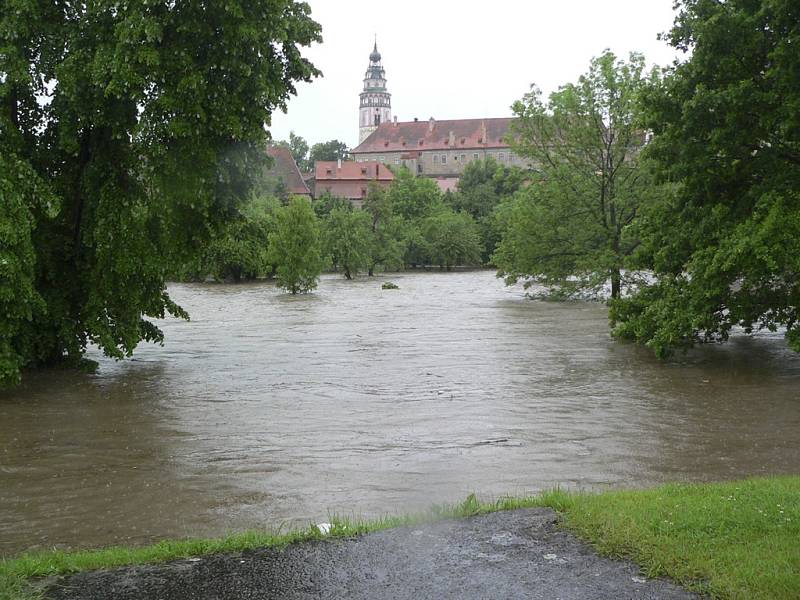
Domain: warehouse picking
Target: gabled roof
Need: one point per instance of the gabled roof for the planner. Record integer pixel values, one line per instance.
(437, 135)
(349, 170)
(283, 166)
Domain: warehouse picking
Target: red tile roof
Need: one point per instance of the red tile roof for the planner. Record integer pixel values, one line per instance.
(437, 135)
(447, 184)
(283, 166)
(325, 170)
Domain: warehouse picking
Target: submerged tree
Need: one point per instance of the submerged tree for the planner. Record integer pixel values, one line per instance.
(451, 239)
(388, 232)
(123, 146)
(240, 252)
(572, 228)
(348, 240)
(726, 250)
(295, 247)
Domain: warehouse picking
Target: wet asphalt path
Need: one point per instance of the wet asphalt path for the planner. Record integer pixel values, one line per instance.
(514, 554)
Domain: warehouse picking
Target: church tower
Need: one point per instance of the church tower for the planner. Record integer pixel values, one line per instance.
(376, 102)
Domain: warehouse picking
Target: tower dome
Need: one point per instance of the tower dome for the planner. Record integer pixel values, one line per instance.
(375, 56)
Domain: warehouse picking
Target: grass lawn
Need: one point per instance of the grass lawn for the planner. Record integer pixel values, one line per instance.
(728, 540)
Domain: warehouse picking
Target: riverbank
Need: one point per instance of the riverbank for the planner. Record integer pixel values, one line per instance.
(727, 540)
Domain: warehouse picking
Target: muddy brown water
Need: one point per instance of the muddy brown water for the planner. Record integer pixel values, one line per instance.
(268, 409)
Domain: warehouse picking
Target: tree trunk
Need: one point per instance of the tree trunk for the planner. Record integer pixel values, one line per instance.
(616, 284)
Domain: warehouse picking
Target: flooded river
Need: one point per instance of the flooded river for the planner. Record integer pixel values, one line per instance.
(269, 409)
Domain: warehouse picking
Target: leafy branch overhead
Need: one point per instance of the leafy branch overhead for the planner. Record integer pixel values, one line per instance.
(153, 122)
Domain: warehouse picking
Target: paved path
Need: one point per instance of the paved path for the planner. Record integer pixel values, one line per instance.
(514, 554)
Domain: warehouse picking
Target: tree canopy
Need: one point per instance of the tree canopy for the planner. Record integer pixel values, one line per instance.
(295, 246)
(725, 250)
(348, 239)
(572, 229)
(331, 150)
(128, 134)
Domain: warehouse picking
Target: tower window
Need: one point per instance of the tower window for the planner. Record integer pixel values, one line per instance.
(377, 120)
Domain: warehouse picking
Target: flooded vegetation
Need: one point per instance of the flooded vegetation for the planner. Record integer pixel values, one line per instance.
(268, 409)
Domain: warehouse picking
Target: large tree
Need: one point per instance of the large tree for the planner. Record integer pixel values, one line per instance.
(348, 239)
(726, 250)
(571, 229)
(388, 231)
(295, 246)
(451, 239)
(128, 133)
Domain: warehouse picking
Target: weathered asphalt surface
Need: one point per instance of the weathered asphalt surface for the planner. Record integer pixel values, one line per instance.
(514, 554)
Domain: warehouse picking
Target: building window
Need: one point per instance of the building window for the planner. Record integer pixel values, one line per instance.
(382, 159)
(475, 156)
(436, 159)
(502, 157)
(463, 158)
(396, 161)
(455, 158)
(444, 159)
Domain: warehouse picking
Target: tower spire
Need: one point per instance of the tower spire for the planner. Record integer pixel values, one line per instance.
(376, 101)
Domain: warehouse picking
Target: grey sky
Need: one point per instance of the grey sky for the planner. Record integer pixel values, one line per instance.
(452, 59)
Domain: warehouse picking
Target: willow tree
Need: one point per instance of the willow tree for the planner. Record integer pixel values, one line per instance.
(572, 229)
(128, 133)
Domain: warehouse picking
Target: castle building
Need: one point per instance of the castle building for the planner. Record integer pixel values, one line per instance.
(376, 102)
(437, 149)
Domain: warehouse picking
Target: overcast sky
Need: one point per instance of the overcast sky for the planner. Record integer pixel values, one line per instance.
(458, 59)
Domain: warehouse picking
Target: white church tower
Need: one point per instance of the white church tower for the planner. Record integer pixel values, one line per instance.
(376, 102)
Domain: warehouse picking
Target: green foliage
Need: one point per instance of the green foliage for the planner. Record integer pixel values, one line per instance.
(298, 146)
(482, 186)
(331, 150)
(451, 239)
(21, 194)
(295, 247)
(326, 202)
(573, 228)
(413, 197)
(241, 251)
(726, 249)
(348, 238)
(388, 231)
(145, 146)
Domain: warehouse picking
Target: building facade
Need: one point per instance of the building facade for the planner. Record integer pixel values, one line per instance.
(375, 101)
(438, 149)
(349, 179)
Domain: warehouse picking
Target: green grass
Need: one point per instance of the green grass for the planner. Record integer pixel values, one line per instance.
(728, 540)
(731, 540)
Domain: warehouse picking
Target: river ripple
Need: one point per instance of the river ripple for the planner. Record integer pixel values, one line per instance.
(269, 409)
